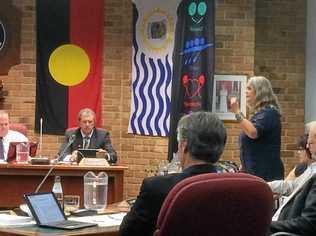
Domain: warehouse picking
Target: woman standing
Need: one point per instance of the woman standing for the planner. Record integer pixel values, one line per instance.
(260, 139)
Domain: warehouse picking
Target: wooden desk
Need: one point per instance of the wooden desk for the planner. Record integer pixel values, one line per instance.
(18, 179)
(38, 231)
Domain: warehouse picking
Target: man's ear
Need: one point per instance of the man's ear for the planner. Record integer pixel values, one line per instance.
(183, 146)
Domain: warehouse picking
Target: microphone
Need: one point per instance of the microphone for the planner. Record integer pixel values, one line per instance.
(40, 160)
(60, 156)
(41, 137)
(80, 155)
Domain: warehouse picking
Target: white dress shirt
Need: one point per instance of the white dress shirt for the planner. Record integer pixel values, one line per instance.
(299, 183)
(12, 136)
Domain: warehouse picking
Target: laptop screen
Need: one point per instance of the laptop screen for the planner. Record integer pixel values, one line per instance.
(45, 208)
(86, 153)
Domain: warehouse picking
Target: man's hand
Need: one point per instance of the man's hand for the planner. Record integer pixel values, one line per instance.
(74, 156)
(103, 153)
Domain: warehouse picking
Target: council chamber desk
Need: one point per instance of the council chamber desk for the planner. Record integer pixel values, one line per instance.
(37, 231)
(33, 230)
(19, 179)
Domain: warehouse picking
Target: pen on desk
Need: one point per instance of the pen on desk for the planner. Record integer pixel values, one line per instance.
(114, 218)
(104, 220)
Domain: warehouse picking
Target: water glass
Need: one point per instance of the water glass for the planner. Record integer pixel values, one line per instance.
(163, 167)
(22, 152)
(71, 203)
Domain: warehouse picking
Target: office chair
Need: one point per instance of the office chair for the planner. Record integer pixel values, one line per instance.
(217, 204)
(18, 127)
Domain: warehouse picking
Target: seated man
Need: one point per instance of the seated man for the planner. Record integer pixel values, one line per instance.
(297, 214)
(201, 140)
(88, 137)
(7, 136)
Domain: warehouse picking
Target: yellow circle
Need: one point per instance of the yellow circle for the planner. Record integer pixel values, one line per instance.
(69, 65)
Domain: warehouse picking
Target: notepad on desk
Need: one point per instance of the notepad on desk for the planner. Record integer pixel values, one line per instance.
(7, 219)
(102, 220)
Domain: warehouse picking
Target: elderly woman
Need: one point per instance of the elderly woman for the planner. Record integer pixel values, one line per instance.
(304, 156)
(287, 186)
(260, 138)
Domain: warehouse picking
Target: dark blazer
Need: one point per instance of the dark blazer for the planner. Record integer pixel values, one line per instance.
(299, 215)
(142, 218)
(99, 139)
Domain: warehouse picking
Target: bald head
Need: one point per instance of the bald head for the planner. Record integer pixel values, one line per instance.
(4, 123)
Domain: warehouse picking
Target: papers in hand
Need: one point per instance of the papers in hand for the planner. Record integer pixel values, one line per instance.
(102, 220)
(26, 209)
(6, 219)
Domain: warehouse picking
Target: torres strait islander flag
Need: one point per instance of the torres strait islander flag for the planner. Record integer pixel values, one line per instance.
(154, 24)
(69, 61)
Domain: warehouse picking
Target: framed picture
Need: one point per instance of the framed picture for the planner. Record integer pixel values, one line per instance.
(226, 87)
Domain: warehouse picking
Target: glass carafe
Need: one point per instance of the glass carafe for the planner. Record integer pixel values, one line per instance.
(95, 190)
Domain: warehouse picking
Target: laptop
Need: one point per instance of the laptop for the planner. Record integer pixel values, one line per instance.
(47, 212)
(86, 153)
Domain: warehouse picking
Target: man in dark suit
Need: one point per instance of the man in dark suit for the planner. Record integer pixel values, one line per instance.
(201, 140)
(298, 212)
(87, 136)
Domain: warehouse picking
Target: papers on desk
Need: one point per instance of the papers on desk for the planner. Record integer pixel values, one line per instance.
(10, 220)
(102, 220)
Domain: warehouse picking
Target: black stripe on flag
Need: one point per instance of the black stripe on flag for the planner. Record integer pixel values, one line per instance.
(52, 18)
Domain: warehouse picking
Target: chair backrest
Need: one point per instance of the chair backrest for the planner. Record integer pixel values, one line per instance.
(19, 127)
(217, 204)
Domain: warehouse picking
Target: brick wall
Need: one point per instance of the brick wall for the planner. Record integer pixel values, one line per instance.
(280, 56)
(235, 51)
(266, 37)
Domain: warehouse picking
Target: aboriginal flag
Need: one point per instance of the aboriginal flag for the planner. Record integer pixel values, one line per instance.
(193, 63)
(69, 61)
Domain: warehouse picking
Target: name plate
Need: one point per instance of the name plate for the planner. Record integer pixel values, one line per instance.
(39, 161)
(93, 162)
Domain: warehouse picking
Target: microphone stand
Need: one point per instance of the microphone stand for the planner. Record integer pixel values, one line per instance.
(62, 153)
(60, 156)
(41, 137)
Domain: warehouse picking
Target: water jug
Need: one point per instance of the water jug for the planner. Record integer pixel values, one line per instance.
(22, 152)
(95, 190)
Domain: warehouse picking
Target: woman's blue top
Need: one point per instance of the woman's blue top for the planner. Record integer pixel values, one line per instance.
(261, 156)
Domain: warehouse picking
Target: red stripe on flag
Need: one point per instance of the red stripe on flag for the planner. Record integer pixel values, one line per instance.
(86, 31)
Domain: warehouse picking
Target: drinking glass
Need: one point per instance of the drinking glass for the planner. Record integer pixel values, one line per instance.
(71, 203)
(22, 152)
(163, 167)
